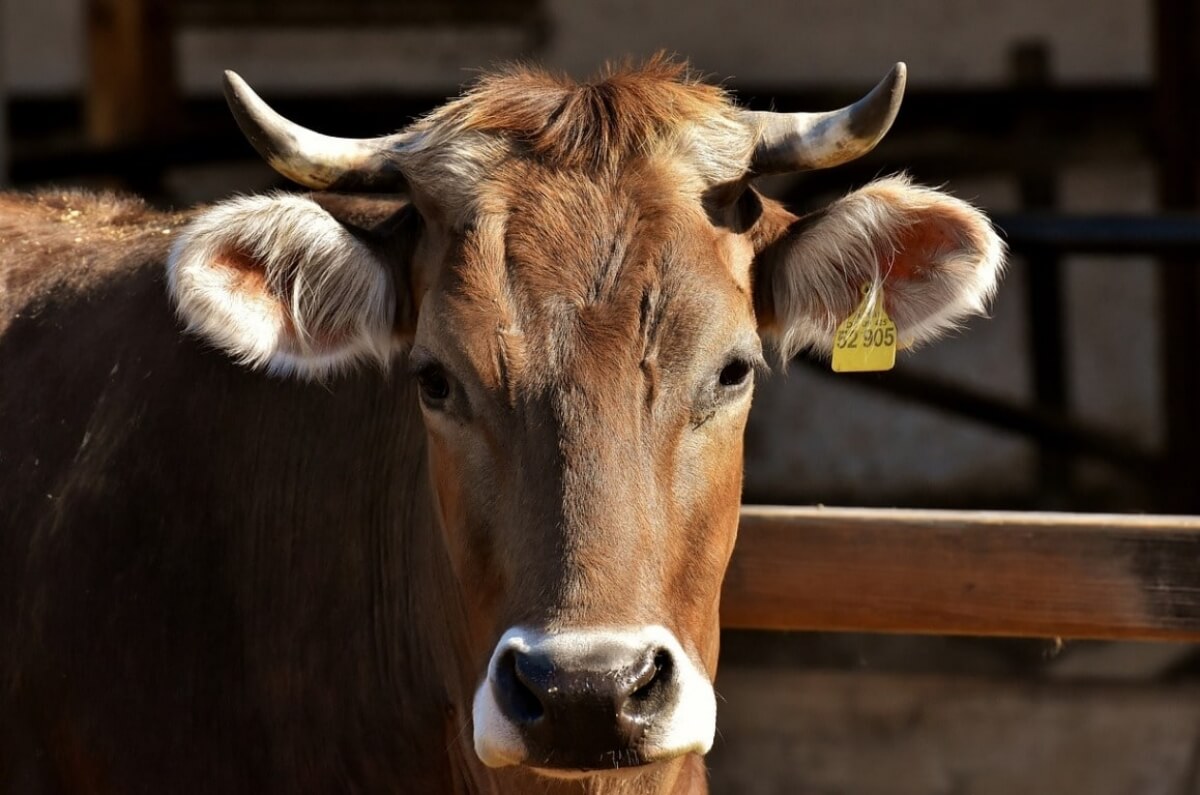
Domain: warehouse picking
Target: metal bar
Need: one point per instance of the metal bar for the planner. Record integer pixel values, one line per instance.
(1177, 29)
(1176, 233)
(1047, 353)
(965, 573)
(1047, 348)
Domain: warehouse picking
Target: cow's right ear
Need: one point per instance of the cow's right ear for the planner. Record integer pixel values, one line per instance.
(279, 283)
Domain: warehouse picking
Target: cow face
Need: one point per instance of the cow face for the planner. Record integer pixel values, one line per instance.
(585, 388)
(583, 292)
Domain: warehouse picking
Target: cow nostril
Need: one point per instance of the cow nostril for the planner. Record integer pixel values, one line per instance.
(514, 695)
(656, 678)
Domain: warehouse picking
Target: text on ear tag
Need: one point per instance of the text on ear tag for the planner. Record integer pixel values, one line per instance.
(865, 341)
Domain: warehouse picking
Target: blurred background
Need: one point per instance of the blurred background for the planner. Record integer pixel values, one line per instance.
(1075, 123)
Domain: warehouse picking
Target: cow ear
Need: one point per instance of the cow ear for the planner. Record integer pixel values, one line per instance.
(278, 283)
(935, 260)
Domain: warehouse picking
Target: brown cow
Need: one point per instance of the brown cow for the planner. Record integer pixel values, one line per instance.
(494, 568)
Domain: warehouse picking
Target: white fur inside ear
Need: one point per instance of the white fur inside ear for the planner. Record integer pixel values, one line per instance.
(278, 283)
(817, 283)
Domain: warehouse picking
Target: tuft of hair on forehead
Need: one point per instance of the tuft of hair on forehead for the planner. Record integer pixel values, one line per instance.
(628, 109)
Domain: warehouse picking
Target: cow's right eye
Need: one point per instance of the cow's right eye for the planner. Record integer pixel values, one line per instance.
(433, 383)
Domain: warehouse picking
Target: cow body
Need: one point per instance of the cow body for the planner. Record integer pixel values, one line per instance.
(179, 626)
(491, 560)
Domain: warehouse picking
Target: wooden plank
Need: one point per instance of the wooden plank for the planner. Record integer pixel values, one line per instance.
(965, 573)
(131, 93)
(224, 14)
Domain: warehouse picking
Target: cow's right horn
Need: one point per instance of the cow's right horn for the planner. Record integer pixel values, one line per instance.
(320, 162)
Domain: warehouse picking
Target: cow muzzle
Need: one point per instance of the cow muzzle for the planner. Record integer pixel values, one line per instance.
(583, 701)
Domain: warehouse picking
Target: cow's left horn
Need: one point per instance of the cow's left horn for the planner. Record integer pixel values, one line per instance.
(320, 162)
(806, 141)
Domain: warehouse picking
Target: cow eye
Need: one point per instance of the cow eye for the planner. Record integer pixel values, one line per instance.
(433, 383)
(735, 373)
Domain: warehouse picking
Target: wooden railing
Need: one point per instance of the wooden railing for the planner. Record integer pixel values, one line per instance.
(965, 573)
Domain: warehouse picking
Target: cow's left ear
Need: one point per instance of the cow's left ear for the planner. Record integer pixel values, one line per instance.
(935, 258)
(278, 282)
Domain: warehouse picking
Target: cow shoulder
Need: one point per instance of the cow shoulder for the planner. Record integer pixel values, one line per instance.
(58, 243)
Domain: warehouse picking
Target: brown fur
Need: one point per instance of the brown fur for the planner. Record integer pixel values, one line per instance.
(56, 225)
(628, 114)
(596, 125)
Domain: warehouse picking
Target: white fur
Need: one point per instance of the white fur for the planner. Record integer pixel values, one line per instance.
(324, 303)
(687, 726)
(816, 284)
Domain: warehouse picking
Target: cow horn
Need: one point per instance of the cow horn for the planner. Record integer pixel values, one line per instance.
(806, 141)
(316, 161)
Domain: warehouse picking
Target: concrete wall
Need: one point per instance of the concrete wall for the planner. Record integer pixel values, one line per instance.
(41, 44)
(760, 42)
(825, 733)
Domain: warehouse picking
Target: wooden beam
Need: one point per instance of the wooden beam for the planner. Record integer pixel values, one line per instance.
(131, 92)
(965, 573)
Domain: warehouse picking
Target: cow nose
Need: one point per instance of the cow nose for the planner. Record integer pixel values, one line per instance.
(584, 711)
(591, 699)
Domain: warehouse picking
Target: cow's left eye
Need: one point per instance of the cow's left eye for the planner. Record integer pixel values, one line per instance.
(735, 373)
(433, 382)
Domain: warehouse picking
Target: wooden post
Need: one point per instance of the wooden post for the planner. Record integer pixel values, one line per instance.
(3, 112)
(131, 93)
(1177, 62)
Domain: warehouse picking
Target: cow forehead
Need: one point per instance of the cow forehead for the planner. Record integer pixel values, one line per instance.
(570, 275)
(657, 112)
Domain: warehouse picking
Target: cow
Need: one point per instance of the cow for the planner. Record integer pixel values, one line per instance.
(424, 479)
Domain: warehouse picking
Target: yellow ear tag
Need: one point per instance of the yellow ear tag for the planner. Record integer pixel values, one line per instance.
(866, 341)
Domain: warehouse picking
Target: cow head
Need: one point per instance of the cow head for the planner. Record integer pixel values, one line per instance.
(583, 284)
